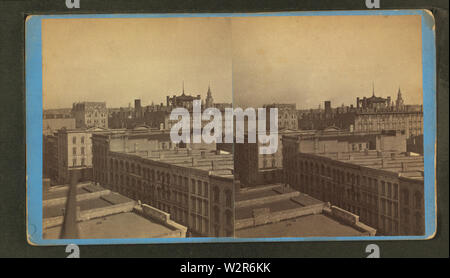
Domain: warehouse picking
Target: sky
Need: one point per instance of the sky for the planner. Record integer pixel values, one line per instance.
(309, 59)
(250, 60)
(119, 60)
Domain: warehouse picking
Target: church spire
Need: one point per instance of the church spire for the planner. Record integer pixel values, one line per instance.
(373, 89)
(209, 98)
(183, 88)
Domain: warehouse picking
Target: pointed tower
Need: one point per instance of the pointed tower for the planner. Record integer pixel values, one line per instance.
(399, 102)
(209, 98)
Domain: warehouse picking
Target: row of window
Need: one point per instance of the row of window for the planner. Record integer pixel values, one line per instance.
(74, 151)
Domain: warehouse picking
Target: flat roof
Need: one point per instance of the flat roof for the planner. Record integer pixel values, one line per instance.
(57, 210)
(247, 212)
(126, 224)
(404, 164)
(122, 225)
(218, 164)
(62, 191)
(317, 225)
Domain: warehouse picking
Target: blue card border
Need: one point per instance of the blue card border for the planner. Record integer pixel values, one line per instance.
(33, 79)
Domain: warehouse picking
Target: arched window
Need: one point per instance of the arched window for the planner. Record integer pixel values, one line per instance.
(228, 197)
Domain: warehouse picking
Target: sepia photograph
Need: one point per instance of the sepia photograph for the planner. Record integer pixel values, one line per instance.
(242, 127)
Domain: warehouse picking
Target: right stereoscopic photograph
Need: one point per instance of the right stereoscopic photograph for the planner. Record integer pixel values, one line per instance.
(343, 104)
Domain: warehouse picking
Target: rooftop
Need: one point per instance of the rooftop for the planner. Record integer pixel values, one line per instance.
(105, 214)
(215, 162)
(276, 210)
(122, 225)
(408, 165)
(315, 225)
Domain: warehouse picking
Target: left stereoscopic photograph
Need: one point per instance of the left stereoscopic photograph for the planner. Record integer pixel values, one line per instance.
(110, 168)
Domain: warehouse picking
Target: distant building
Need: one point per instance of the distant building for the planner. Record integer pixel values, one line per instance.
(102, 214)
(54, 119)
(370, 115)
(209, 99)
(287, 115)
(90, 114)
(157, 116)
(183, 100)
(385, 189)
(194, 184)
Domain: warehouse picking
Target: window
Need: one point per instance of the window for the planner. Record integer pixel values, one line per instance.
(206, 189)
(82, 162)
(82, 139)
(74, 162)
(199, 188)
(228, 198)
(74, 150)
(389, 191)
(395, 191)
(82, 150)
(193, 186)
(74, 140)
(216, 194)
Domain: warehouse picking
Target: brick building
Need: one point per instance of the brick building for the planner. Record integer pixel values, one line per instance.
(253, 168)
(90, 114)
(287, 115)
(74, 152)
(385, 189)
(194, 184)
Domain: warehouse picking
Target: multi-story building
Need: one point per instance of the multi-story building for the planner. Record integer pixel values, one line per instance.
(74, 152)
(183, 100)
(194, 184)
(253, 168)
(385, 189)
(287, 115)
(90, 114)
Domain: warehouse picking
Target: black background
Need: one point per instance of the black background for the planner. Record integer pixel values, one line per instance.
(13, 149)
